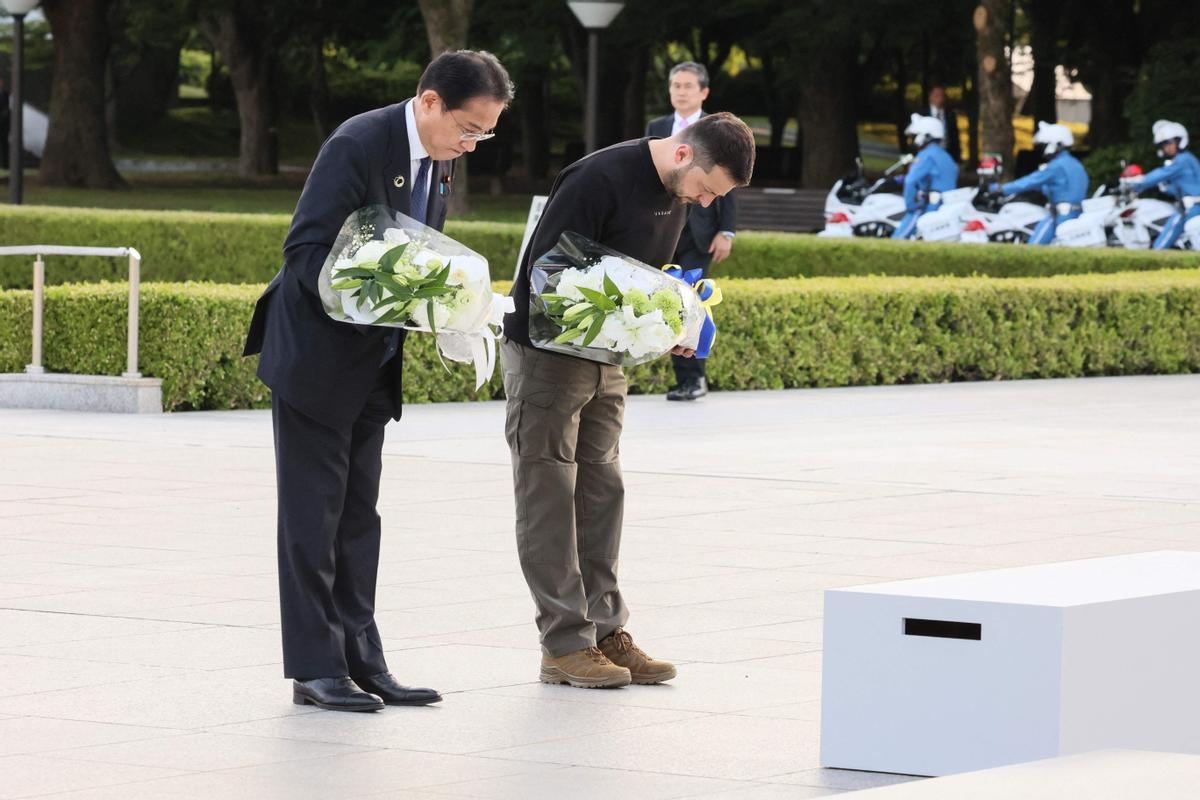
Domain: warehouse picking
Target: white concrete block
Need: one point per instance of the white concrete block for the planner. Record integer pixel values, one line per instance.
(65, 392)
(964, 672)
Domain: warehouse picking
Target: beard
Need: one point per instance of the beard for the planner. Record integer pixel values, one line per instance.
(673, 183)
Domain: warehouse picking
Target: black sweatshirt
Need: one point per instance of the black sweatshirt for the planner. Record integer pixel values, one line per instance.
(613, 196)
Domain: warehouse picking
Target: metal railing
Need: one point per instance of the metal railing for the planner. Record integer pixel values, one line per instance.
(39, 291)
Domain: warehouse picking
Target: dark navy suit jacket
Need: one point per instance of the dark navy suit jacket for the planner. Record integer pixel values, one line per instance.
(702, 223)
(322, 367)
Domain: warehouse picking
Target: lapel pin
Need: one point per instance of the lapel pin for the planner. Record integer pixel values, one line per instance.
(398, 181)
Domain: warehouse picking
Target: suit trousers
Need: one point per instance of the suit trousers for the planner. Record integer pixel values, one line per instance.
(689, 256)
(563, 426)
(328, 539)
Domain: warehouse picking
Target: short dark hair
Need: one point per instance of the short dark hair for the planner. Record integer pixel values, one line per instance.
(722, 140)
(460, 75)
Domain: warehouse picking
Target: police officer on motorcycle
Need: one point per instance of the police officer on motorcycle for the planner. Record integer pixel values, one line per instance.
(1061, 178)
(933, 171)
(1180, 176)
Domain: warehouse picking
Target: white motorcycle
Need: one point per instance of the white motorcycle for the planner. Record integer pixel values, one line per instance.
(991, 218)
(855, 207)
(1137, 221)
(1093, 227)
(945, 224)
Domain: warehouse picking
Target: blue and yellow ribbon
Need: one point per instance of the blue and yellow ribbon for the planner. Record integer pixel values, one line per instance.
(710, 295)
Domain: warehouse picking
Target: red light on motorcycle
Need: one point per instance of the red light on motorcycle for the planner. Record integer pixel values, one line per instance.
(1127, 213)
(987, 163)
(974, 226)
(1132, 171)
(838, 216)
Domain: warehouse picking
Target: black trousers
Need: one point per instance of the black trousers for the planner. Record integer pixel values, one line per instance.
(689, 256)
(329, 533)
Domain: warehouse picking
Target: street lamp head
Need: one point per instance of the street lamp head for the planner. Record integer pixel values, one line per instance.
(19, 7)
(593, 16)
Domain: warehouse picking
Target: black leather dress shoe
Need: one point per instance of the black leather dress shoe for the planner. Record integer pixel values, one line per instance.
(693, 390)
(334, 694)
(394, 694)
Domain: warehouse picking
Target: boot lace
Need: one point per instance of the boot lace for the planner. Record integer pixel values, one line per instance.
(624, 643)
(596, 656)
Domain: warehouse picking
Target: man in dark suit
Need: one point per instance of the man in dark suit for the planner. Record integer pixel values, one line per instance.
(708, 235)
(940, 110)
(335, 385)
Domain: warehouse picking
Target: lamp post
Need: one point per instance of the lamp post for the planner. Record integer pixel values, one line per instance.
(595, 17)
(16, 152)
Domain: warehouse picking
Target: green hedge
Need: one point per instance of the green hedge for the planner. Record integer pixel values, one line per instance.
(246, 248)
(773, 334)
(185, 245)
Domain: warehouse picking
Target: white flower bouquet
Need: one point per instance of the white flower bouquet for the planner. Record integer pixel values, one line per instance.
(595, 303)
(389, 270)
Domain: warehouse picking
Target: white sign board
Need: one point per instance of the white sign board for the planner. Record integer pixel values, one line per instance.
(535, 213)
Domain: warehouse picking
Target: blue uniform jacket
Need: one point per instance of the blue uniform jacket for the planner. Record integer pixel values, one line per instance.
(1062, 179)
(932, 170)
(1181, 175)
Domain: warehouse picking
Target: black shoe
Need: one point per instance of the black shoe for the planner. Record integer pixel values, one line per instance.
(394, 694)
(692, 390)
(334, 694)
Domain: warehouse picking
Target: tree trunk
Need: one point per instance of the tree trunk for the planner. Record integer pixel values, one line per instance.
(446, 25)
(1113, 30)
(144, 89)
(777, 109)
(633, 110)
(77, 152)
(1042, 100)
(902, 117)
(995, 79)
(829, 136)
(534, 108)
(318, 98)
(250, 56)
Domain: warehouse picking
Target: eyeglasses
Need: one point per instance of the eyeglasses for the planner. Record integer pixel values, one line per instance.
(466, 135)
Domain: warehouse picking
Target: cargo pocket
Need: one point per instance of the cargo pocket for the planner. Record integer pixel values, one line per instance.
(529, 400)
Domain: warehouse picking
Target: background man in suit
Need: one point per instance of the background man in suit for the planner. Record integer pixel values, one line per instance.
(708, 235)
(938, 109)
(335, 385)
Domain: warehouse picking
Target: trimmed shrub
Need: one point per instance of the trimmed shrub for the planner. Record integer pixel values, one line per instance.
(247, 248)
(186, 245)
(774, 334)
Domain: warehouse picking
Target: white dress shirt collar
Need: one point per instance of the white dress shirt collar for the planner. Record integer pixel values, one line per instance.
(416, 151)
(677, 122)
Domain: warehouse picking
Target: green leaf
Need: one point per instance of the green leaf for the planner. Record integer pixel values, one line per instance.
(594, 331)
(388, 261)
(612, 290)
(354, 272)
(600, 300)
(429, 306)
(568, 335)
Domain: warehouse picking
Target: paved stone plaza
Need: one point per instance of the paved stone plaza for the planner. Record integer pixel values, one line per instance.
(139, 645)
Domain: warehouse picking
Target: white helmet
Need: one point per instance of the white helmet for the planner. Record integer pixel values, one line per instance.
(925, 129)
(1165, 131)
(1054, 137)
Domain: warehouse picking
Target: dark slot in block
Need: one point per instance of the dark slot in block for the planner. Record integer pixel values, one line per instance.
(943, 629)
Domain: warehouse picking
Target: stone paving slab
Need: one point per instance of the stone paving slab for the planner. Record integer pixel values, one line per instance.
(139, 640)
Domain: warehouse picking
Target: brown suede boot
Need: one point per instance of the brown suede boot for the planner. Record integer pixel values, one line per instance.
(621, 650)
(585, 669)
